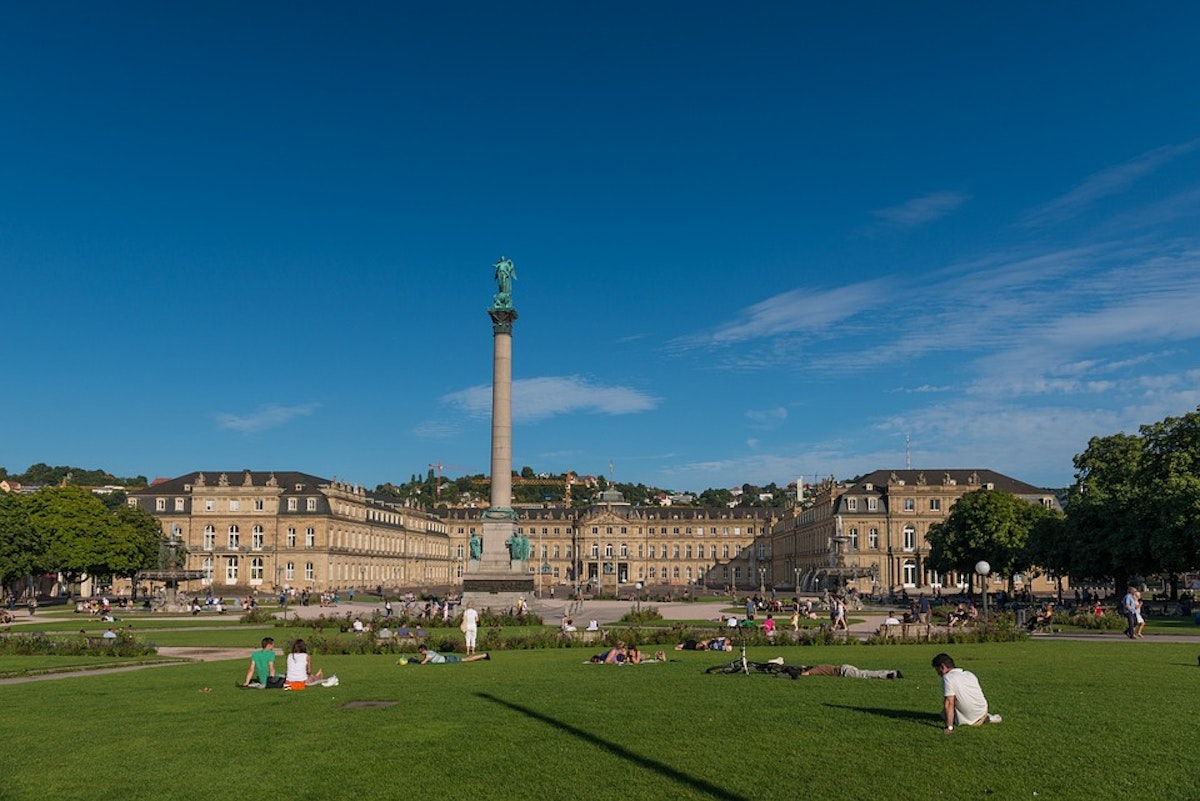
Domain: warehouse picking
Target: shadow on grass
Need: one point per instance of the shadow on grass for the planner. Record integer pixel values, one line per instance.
(666, 771)
(926, 718)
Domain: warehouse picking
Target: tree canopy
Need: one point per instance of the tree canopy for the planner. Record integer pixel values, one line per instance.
(986, 525)
(70, 530)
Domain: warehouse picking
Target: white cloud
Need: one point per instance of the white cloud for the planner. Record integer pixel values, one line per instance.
(799, 310)
(920, 210)
(536, 399)
(271, 416)
(1106, 182)
(767, 418)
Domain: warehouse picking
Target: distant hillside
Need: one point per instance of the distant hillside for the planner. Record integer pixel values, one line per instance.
(45, 475)
(529, 487)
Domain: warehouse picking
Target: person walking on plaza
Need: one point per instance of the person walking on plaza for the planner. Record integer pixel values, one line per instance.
(963, 702)
(1129, 606)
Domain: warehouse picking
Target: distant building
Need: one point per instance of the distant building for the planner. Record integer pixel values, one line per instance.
(872, 532)
(612, 545)
(255, 530)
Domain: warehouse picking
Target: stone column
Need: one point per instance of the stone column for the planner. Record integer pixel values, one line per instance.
(495, 580)
(502, 324)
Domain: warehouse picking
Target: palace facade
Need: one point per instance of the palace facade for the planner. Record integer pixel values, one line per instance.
(253, 530)
(611, 545)
(871, 533)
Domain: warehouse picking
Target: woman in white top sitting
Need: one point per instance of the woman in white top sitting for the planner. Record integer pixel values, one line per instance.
(299, 668)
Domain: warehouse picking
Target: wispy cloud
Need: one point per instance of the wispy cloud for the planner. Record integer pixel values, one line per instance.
(267, 417)
(921, 210)
(1106, 182)
(436, 429)
(805, 309)
(536, 399)
(767, 418)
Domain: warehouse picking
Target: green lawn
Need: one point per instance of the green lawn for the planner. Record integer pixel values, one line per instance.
(542, 724)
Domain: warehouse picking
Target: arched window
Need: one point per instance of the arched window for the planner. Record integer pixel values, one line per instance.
(234, 537)
(231, 569)
(256, 569)
(910, 538)
(910, 572)
(207, 567)
(256, 538)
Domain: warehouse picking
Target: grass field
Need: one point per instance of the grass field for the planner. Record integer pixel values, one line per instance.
(1082, 720)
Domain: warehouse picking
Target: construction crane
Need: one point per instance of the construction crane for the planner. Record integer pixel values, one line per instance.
(439, 467)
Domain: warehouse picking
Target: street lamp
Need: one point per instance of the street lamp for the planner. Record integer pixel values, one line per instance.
(796, 586)
(983, 569)
(762, 580)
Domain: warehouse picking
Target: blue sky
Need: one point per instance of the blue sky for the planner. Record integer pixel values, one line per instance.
(751, 243)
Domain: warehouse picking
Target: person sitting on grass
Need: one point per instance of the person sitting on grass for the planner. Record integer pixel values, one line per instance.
(847, 671)
(963, 702)
(261, 673)
(299, 668)
(429, 657)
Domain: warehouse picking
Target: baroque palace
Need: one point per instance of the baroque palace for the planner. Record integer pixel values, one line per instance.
(872, 532)
(257, 530)
(252, 530)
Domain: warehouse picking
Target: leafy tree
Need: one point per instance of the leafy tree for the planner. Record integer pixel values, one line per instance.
(1105, 528)
(83, 538)
(712, 498)
(985, 525)
(20, 547)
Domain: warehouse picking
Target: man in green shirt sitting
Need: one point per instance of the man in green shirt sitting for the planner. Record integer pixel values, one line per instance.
(261, 673)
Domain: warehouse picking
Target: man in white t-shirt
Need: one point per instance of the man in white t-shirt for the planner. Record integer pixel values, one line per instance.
(963, 700)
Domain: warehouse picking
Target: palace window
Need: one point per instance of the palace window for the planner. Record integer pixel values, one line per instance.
(234, 536)
(210, 538)
(873, 538)
(910, 538)
(852, 504)
(310, 537)
(207, 567)
(910, 505)
(910, 572)
(935, 504)
(309, 573)
(256, 538)
(293, 504)
(311, 504)
(872, 504)
(289, 572)
(854, 539)
(256, 569)
(231, 570)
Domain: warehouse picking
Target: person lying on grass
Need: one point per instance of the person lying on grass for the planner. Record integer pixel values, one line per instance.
(848, 671)
(715, 644)
(429, 657)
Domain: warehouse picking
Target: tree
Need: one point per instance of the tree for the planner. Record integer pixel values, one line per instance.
(1104, 527)
(20, 547)
(83, 538)
(985, 525)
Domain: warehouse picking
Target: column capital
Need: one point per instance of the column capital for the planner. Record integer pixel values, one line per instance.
(502, 319)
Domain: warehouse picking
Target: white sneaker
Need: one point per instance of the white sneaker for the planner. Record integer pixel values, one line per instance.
(994, 718)
(332, 681)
